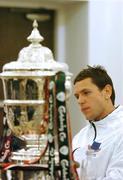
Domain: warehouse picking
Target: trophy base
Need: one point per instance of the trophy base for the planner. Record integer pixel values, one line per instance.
(35, 148)
(23, 155)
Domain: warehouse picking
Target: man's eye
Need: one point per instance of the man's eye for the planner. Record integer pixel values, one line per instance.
(87, 92)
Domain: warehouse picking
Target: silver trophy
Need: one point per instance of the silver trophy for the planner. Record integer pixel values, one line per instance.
(27, 83)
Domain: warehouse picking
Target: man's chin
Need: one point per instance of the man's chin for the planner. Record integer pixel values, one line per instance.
(89, 118)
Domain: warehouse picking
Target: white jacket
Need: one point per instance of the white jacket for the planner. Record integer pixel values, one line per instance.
(105, 163)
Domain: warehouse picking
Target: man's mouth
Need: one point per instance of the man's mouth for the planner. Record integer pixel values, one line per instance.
(85, 109)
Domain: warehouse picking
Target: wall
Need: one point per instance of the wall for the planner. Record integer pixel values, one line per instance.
(106, 40)
(76, 21)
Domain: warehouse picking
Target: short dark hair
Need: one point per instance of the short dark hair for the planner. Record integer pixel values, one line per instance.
(99, 77)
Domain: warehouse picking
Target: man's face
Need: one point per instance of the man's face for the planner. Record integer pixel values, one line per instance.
(92, 101)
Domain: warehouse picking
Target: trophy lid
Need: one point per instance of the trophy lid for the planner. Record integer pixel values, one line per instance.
(35, 59)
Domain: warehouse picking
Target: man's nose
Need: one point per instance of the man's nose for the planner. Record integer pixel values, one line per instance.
(81, 99)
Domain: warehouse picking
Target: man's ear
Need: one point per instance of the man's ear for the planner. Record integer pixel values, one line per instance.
(107, 91)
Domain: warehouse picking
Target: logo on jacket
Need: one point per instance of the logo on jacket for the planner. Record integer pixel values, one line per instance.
(92, 149)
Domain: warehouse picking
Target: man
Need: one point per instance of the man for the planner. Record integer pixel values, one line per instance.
(98, 147)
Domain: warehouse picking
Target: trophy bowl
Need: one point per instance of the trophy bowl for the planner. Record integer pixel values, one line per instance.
(25, 108)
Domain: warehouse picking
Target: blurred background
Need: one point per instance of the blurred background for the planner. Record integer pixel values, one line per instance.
(77, 32)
